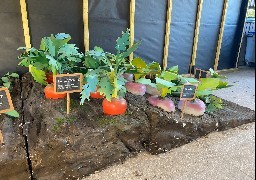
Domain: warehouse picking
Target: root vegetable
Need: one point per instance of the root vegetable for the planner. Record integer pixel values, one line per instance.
(165, 104)
(136, 88)
(128, 77)
(194, 108)
(152, 91)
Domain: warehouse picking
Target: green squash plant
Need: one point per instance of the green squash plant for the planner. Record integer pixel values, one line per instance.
(105, 74)
(5, 81)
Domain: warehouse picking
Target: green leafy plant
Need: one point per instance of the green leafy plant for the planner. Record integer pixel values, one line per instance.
(169, 82)
(106, 69)
(54, 55)
(5, 81)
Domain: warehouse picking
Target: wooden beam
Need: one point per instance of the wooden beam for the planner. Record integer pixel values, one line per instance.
(222, 26)
(86, 25)
(132, 20)
(197, 29)
(24, 15)
(242, 36)
(167, 34)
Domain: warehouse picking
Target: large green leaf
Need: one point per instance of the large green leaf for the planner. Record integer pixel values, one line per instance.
(164, 82)
(39, 75)
(90, 86)
(169, 76)
(208, 83)
(106, 87)
(123, 42)
(146, 82)
(13, 113)
(139, 63)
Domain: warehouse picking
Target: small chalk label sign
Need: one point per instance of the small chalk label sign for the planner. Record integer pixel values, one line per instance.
(5, 101)
(188, 92)
(68, 83)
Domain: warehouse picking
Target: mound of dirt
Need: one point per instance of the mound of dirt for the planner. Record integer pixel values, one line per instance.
(72, 146)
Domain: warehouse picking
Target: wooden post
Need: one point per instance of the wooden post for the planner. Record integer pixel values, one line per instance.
(241, 40)
(222, 26)
(197, 30)
(132, 20)
(1, 138)
(183, 108)
(86, 25)
(167, 34)
(25, 24)
(68, 103)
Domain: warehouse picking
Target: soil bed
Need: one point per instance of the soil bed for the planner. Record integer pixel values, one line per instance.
(74, 146)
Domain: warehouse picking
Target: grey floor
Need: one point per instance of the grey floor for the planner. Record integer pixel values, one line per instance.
(220, 155)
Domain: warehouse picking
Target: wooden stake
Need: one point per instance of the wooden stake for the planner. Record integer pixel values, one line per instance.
(132, 20)
(196, 37)
(224, 14)
(183, 108)
(1, 138)
(167, 34)
(86, 25)
(241, 40)
(68, 103)
(25, 24)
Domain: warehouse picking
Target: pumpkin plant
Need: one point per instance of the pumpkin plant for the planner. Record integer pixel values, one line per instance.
(55, 56)
(5, 81)
(106, 76)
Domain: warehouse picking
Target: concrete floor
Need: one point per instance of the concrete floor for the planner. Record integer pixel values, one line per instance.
(220, 155)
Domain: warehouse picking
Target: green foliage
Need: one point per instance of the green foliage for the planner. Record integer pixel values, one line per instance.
(62, 121)
(55, 55)
(6, 79)
(107, 69)
(213, 103)
(13, 113)
(39, 75)
(6, 82)
(142, 68)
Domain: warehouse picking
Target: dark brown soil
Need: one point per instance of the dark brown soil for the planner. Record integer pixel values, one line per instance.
(70, 147)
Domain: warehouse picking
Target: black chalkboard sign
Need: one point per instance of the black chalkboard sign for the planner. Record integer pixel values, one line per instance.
(68, 83)
(5, 101)
(188, 92)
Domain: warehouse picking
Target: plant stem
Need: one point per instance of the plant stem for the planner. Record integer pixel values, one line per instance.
(115, 94)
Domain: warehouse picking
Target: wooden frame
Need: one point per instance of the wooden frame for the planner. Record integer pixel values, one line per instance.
(241, 40)
(25, 24)
(9, 100)
(196, 37)
(68, 75)
(188, 99)
(196, 69)
(132, 21)
(86, 25)
(224, 14)
(167, 34)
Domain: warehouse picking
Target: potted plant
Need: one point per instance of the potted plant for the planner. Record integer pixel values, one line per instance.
(108, 76)
(55, 56)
